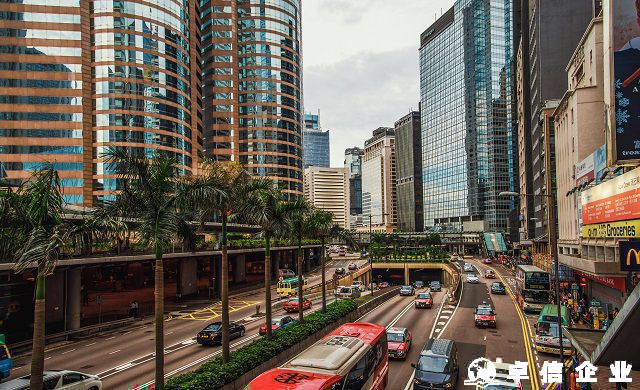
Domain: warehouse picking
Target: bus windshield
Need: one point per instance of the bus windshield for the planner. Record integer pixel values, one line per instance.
(547, 329)
(536, 296)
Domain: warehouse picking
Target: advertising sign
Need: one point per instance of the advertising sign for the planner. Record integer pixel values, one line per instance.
(599, 162)
(630, 256)
(609, 281)
(615, 200)
(584, 170)
(626, 71)
(622, 229)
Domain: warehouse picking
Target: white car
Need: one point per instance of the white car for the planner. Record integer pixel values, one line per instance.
(67, 380)
(468, 267)
(472, 279)
(359, 285)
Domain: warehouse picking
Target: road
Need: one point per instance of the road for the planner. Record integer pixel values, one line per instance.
(125, 358)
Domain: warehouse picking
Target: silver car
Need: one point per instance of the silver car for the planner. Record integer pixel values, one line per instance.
(67, 380)
(472, 279)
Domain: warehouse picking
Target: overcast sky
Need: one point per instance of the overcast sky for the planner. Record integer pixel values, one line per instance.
(361, 63)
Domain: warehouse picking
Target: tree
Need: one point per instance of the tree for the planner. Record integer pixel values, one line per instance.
(265, 207)
(320, 223)
(224, 187)
(151, 194)
(298, 226)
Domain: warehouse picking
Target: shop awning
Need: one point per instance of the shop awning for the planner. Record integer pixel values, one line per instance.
(619, 342)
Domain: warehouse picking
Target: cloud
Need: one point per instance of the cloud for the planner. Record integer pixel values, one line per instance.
(361, 93)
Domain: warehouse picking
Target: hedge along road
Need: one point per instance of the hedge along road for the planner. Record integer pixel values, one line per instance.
(120, 356)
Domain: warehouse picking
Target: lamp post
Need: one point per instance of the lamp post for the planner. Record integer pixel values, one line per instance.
(370, 242)
(551, 220)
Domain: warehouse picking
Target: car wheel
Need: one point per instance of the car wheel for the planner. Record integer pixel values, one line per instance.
(241, 332)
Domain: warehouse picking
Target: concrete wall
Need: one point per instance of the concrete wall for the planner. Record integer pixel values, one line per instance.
(188, 277)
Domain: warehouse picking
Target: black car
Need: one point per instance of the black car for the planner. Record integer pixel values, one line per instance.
(434, 285)
(437, 366)
(212, 334)
(498, 288)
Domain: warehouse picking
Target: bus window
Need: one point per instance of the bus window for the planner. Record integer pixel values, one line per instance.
(356, 377)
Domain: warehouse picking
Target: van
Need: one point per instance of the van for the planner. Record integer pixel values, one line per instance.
(547, 338)
(347, 292)
(437, 366)
(359, 285)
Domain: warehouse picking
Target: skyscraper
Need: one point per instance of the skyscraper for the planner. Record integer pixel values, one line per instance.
(353, 164)
(328, 189)
(379, 181)
(315, 141)
(79, 77)
(252, 86)
(467, 130)
(409, 173)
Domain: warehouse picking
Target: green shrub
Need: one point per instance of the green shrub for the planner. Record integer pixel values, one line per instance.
(214, 374)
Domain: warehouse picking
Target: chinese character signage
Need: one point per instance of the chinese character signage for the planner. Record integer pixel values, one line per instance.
(630, 256)
(626, 83)
(615, 200)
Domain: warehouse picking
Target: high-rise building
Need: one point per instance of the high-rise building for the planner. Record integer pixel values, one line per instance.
(379, 181)
(409, 173)
(328, 189)
(467, 128)
(252, 86)
(81, 76)
(315, 142)
(550, 33)
(353, 164)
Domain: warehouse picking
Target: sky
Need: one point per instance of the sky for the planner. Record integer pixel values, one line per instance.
(361, 64)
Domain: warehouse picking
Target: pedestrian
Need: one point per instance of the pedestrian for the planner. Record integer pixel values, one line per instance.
(615, 312)
(135, 309)
(132, 309)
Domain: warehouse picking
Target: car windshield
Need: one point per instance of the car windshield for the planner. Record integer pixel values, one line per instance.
(345, 290)
(433, 363)
(536, 296)
(395, 337)
(547, 329)
(406, 287)
(484, 312)
(489, 272)
(424, 296)
(498, 285)
(213, 328)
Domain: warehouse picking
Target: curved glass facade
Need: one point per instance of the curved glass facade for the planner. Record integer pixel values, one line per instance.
(142, 98)
(253, 86)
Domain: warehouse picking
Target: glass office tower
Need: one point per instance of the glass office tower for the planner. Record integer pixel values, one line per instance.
(467, 134)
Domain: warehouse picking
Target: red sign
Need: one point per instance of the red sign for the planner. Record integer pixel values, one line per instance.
(615, 200)
(614, 282)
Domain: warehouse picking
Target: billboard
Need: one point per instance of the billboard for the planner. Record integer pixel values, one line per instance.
(622, 229)
(615, 200)
(625, 41)
(584, 170)
(630, 256)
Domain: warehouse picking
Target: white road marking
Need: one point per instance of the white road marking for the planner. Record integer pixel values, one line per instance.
(126, 333)
(168, 333)
(47, 358)
(437, 330)
(447, 311)
(88, 345)
(441, 323)
(397, 318)
(444, 317)
(485, 338)
(116, 351)
(65, 352)
(111, 338)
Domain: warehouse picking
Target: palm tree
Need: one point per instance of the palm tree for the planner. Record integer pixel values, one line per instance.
(320, 223)
(38, 204)
(151, 193)
(299, 225)
(265, 207)
(224, 190)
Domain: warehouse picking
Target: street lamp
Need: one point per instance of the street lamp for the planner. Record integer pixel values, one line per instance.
(551, 220)
(370, 242)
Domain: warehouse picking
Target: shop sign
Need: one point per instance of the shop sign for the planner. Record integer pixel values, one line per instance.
(584, 170)
(614, 282)
(595, 303)
(615, 200)
(622, 229)
(574, 287)
(630, 256)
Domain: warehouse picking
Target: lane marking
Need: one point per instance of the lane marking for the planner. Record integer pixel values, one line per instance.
(88, 345)
(65, 352)
(110, 338)
(116, 351)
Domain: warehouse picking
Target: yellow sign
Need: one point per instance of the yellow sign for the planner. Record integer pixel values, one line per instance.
(635, 254)
(621, 229)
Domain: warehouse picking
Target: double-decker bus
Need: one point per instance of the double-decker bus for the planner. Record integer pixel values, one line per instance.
(533, 288)
(354, 356)
(289, 287)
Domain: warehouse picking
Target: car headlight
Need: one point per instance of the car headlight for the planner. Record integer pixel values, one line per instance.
(448, 386)
(416, 381)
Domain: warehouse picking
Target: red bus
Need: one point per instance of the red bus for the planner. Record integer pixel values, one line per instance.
(354, 356)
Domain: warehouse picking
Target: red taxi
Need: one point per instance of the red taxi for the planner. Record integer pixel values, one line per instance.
(485, 316)
(291, 305)
(489, 274)
(425, 300)
(398, 342)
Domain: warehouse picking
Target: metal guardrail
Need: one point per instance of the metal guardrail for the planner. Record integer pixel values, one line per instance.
(87, 330)
(426, 261)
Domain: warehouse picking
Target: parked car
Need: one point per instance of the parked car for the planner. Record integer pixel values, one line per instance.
(347, 292)
(425, 300)
(434, 285)
(437, 367)
(276, 322)
(359, 284)
(63, 379)
(382, 285)
(489, 274)
(407, 290)
(472, 279)
(286, 273)
(352, 266)
(340, 271)
(398, 342)
(468, 267)
(291, 305)
(418, 284)
(484, 316)
(375, 286)
(212, 333)
(498, 288)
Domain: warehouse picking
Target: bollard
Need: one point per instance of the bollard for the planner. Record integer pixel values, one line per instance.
(257, 309)
(572, 381)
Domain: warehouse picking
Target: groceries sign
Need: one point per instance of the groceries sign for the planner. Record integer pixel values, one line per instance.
(615, 200)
